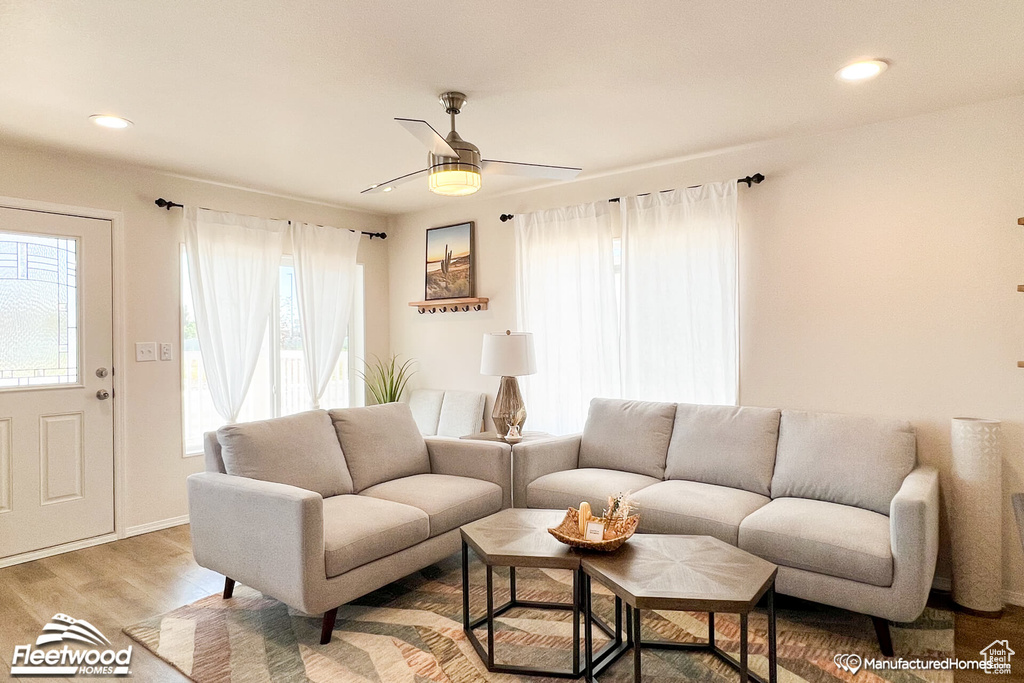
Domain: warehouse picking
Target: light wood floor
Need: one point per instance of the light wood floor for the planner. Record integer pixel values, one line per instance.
(121, 583)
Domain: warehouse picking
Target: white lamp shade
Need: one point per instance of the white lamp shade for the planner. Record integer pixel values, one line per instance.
(508, 354)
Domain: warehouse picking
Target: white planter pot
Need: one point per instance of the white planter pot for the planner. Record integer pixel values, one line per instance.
(975, 514)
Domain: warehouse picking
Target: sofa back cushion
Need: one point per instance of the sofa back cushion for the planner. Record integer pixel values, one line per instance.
(300, 450)
(724, 445)
(631, 436)
(847, 459)
(381, 443)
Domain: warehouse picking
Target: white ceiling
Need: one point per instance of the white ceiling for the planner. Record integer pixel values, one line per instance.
(297, 97)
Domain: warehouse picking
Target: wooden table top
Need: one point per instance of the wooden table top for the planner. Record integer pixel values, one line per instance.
(518, 537)
(698, 573)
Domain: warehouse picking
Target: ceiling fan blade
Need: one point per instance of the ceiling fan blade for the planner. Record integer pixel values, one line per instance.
(530, 170)
(431, 139)
(383, 187)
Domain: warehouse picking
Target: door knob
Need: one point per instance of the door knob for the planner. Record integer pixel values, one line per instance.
(103, 394)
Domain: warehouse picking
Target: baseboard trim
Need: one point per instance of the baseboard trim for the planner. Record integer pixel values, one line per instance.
(945, 584)
(156, 526)
(56, 550)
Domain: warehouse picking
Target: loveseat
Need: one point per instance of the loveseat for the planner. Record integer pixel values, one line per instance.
(320, 508)
(837, 501)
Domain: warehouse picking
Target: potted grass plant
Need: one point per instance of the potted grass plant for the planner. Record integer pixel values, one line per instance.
(386, 379)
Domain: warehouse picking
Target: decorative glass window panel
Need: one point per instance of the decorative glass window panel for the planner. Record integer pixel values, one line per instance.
(38, 310)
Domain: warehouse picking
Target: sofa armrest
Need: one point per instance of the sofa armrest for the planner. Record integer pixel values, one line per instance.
(487, 460)
(914, 535)
(266, 535)
(532, 460)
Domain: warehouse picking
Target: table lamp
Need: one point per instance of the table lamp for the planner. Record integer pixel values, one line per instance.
(507, 356)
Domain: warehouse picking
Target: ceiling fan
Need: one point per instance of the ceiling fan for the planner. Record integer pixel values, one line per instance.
(454, 165)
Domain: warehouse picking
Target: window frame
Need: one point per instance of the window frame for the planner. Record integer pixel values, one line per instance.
(356, 346)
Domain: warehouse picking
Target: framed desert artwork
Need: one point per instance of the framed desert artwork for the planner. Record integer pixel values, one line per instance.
(450, 262)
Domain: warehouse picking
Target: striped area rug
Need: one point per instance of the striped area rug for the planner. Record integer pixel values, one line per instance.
(411, 632)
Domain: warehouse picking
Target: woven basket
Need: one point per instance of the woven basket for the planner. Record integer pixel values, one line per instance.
(568, 532)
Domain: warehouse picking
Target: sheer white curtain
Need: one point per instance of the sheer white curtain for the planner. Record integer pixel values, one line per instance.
(233, 266)
(679, 295)
(565, 285)
(325, 276)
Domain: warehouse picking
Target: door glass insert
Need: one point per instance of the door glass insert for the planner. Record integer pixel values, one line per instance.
(38, 310)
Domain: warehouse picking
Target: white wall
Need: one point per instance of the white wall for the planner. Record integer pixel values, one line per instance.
(879, 268)
(151, 398)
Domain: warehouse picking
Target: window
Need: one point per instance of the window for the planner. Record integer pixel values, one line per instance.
(279, 382)
(39, 289)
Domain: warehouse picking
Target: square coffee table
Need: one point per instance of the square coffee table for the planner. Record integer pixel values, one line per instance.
(684, 573)
(519, 538)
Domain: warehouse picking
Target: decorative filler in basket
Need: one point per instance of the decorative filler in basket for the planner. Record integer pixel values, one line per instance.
(580, 529)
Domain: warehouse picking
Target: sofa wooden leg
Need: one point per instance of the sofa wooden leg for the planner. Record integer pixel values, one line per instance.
(229, 587)
(328, 626)
(884, 637)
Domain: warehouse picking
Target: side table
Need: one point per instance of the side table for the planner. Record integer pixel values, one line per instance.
(684, 573)
(519, 538)
(493, 436)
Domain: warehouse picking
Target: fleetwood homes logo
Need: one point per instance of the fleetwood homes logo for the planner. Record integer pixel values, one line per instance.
(99, 659)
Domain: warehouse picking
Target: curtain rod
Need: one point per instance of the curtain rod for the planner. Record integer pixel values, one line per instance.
(167, 204)
(750, 180)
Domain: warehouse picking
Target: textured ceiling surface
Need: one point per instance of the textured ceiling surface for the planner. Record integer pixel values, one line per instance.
(298, 97)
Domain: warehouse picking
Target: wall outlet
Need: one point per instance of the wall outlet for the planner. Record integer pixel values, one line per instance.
(165, 351)
(145, 352)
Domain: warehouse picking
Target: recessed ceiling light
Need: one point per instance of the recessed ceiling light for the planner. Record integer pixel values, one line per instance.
(387, 189)
(862, 70)
(109, 121)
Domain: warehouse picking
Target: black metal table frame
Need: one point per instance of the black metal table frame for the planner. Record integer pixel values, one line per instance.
(611, 651)
(595, 667)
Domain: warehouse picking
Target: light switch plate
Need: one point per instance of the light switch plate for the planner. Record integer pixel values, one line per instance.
(145, 352)
(165, 351)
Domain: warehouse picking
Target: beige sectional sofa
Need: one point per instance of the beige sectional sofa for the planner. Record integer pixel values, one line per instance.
(319, 508)
(837, 501)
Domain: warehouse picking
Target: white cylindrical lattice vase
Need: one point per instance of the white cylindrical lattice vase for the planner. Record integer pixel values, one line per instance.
(975, 519)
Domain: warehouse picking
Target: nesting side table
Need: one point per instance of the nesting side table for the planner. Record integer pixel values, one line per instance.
(519, 538)
(685, 573)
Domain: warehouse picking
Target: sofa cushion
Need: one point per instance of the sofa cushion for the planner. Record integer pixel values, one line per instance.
(847, 459)
(627, 435)
(300, 450)
(449, 501)
(568, 488)
(724, 445)
(462, 413)
(694, 508)
(380, 443)
(425, 405)
(817, 536)
(358, 529)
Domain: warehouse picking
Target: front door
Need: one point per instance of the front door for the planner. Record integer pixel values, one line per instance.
(56, 416)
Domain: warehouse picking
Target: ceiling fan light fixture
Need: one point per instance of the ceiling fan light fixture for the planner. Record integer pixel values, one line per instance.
(454, 183)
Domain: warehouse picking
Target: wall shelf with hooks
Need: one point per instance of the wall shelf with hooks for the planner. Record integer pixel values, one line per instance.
(451, 305)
